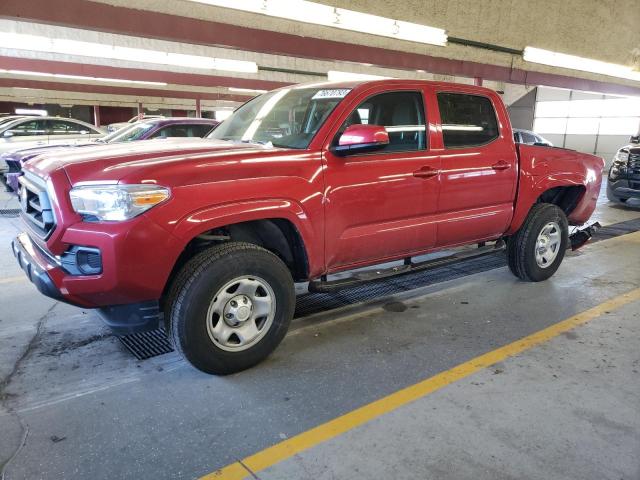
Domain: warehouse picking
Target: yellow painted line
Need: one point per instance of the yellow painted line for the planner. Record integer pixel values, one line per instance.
(333, 428)
(20, 278)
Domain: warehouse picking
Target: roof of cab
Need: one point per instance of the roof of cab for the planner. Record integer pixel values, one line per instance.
(353, 84)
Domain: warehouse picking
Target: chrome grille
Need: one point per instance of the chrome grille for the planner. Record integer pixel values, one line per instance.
(35, 205)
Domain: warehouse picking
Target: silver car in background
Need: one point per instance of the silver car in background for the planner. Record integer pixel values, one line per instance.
(29, 132)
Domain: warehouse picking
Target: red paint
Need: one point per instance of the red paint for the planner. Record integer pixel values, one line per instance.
(350, 211)
(149, 24)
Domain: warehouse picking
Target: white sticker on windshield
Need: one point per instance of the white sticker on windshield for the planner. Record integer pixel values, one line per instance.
(331, 93)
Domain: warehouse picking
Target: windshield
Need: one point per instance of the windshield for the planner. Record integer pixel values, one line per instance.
(128, 134)
(287, 118)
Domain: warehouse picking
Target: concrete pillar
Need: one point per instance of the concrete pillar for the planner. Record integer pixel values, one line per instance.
(198, 108)
(477, 81)
(96, 115)
(140, 111)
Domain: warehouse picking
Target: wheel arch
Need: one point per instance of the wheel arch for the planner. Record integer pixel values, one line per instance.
(279, 226)
(565, 191)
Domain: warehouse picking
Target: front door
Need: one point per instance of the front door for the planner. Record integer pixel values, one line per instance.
(379, 205)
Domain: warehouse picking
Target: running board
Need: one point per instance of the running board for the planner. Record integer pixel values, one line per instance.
(324, 286)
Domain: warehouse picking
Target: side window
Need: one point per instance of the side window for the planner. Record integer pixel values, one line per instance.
(172, 131)
(467, 120)
(199, 130)
(32, 127)
(185, 130)
(401, 113)
(528, 138)
(62, 127)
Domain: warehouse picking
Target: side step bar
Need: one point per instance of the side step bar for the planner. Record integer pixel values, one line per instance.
(324, 286)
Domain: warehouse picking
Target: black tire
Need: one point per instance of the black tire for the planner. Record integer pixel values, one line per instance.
(521, 247)
(196, 286)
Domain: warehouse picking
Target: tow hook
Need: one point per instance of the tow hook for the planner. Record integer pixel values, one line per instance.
(580, 237)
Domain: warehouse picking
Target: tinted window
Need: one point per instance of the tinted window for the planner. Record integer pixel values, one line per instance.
(401, 113)
(31, 127)
(467, 120)
(184, 130)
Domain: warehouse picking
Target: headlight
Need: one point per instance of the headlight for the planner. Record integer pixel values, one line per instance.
(621, 157)
(116, 202)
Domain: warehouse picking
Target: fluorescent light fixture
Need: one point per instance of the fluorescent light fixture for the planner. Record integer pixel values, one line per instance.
(246, 90)
(80, 77)
(562, 60)
(325, 15)
(20, 41)
(29, 111)
(337, 76)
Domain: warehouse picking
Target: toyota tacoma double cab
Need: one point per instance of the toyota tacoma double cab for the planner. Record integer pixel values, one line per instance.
(299, 183)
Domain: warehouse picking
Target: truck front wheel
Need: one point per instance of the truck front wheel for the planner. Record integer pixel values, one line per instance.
(536, 250)
(229, 307)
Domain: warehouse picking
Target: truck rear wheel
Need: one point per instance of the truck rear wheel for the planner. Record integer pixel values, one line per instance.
(229, 307)
(536, 250)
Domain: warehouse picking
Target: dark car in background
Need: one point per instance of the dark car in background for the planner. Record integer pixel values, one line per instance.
(144, 130)
(623, 181)
(530, 138)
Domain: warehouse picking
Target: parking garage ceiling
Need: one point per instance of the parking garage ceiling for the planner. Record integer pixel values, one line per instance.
(485, 40)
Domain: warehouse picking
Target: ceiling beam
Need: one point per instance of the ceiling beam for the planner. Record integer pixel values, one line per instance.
(128, 21)
(107, 89)
(174, 78)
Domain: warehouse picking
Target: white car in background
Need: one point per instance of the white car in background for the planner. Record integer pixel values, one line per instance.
(112, 127)
(29, 132)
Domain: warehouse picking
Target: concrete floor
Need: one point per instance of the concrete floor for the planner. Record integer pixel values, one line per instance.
(75, 404)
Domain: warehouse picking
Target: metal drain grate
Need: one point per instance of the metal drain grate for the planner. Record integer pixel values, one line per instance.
(617, 229)
(147, 344)
(151, 344)
(9, 212)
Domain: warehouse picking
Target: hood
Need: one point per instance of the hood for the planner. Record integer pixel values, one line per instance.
(138, 160)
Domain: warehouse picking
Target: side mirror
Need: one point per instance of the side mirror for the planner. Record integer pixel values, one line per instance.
(361, 138)
(634, 139)
(7, 134)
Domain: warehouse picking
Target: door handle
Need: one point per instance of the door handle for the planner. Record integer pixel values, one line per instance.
(426, 172)
(501, 165)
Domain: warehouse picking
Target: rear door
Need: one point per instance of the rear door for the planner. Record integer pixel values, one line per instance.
(379, 205)
(479, 167)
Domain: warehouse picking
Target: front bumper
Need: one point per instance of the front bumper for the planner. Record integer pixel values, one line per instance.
(34, 266)
(122, 319)
(621, 190)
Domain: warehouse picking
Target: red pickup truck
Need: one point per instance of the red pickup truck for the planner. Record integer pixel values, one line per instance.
(298, 183)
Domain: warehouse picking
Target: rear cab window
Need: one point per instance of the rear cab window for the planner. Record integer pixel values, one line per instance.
(467, 120)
